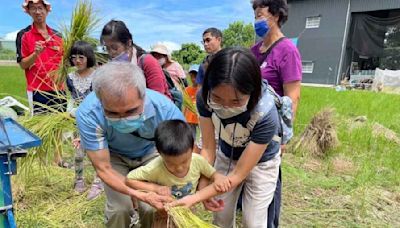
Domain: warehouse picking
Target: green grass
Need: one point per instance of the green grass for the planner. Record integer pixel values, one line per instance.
(365, 192)
(355, 185)
(13, 82)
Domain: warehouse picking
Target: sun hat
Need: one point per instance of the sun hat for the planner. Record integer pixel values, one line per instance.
(26, 3)
(162, 49)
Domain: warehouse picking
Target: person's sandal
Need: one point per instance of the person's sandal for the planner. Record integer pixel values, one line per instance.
(79, 186)
(95, 190)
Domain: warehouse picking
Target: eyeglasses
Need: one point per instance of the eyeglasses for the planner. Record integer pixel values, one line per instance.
(38, 9)
(76, 57)
(206, 40)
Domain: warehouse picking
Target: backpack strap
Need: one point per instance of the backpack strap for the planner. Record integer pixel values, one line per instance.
(169, 80)
(257, 114)
(265, 55)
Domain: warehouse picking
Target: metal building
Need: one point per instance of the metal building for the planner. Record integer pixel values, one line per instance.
(324, 29)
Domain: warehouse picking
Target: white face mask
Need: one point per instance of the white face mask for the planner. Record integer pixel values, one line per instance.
(162, 61)
(226, 112)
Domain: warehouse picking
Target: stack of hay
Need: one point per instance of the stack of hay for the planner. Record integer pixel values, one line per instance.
(320, 135)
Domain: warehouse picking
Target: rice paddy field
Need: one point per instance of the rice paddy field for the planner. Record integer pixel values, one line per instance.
(356, 184)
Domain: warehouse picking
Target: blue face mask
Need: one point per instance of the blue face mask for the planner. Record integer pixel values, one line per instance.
(127, 124)
(123, 57)
(261, 27)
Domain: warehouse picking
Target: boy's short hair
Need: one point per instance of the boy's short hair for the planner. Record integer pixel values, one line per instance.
(173, 137)
(85, 49)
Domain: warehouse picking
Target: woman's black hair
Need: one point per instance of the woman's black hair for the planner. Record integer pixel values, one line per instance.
(275, 7)
(234, 66)
(139, 50)
(85, 49)
(117, 30)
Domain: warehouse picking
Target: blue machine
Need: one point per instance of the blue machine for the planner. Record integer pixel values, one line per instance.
(14, 139)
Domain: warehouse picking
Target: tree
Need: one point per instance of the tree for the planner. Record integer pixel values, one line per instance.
(239, 34)
(190, 53)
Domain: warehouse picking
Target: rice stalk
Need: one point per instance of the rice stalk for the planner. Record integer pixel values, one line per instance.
(187, 100)
(83, 22)
(183, 218)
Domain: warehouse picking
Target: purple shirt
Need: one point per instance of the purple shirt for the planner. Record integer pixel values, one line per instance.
(282, 65)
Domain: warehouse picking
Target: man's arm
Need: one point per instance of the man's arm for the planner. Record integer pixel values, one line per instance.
(147, 186)
(101, 162)
(30, 59)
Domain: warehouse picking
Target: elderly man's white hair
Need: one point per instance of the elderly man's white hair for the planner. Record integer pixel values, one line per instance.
(116, 78)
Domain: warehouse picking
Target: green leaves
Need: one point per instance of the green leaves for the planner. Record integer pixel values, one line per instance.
(190, 53)
(239, 34)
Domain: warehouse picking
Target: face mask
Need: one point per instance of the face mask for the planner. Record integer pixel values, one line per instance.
(226, 113)
(261, 27)
(127, 124)
(162, 61)
(123, 57)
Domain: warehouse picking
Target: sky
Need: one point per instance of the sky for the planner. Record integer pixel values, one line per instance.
(172, 22)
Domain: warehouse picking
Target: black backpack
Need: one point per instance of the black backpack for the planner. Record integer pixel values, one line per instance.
(177, 96)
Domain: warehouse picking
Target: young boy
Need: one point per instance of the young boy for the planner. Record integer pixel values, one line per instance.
(177, 170)
(191, 117)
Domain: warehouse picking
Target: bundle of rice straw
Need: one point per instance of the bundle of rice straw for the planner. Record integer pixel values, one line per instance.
(184, 218)
(49, 128)
(320, 135)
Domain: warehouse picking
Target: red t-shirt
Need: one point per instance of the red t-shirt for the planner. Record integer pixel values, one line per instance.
(41, 74)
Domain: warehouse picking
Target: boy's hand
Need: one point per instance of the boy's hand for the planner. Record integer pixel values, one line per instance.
(163, 191)
(187, 201)
(221, 183)
(155, 200)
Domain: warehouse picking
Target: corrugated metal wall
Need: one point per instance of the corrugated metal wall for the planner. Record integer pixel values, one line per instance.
(321, 45)
(373, 5)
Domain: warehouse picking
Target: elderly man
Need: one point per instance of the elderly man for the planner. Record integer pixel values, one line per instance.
(116, 125)
(39, 53)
